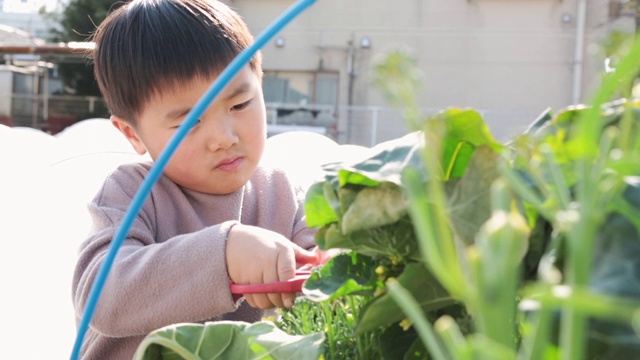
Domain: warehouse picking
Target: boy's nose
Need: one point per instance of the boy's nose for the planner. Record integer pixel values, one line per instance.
(221, 134)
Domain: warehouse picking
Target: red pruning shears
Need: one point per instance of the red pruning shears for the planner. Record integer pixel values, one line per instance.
(292, 285)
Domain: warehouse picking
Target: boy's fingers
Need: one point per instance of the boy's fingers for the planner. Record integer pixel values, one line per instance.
(326, 255)
(288, 300)
(286, 266)
(286, 269)
(303, 256)
(249, 299)
(263, 301)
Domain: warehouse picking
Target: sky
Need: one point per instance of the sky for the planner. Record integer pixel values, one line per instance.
(27, 6)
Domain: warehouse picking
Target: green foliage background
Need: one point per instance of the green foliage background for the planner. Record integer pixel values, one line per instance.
(76, 21)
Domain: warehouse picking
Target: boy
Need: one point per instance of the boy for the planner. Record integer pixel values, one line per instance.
(215, 216)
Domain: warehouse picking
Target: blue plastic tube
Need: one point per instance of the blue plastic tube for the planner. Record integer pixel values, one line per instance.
(158, 167)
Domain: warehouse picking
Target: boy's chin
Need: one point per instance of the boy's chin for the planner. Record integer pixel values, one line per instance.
(218, 189)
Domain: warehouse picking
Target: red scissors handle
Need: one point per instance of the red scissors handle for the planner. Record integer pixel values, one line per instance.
(290, 286)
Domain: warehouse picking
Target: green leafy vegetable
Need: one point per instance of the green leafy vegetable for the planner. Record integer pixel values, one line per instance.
(449, 210)
(470, 202)
(344, 274)
(228, 340)
(374, 206)
(383, 310)
(463, 131)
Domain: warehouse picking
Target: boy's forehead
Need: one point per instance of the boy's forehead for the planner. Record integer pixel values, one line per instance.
(170, 89)
(176, 85)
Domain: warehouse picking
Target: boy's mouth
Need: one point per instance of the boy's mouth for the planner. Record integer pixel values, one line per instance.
(229, 164)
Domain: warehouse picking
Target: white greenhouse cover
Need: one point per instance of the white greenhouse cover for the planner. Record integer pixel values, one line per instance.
(45, 184)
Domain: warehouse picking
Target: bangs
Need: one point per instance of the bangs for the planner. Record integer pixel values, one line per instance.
(160, 44)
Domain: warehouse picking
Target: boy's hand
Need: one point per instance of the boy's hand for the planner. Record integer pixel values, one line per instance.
(257, 256)
(322, 256)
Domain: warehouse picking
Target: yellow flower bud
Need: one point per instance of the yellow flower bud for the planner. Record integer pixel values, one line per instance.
(406, 324)
(379, 291)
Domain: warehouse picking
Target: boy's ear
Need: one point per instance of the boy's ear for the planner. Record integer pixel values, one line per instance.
(130, 133)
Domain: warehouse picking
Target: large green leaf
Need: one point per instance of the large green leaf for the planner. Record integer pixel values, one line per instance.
(397, 343)
(616, 271)
(464, 131)
(344, 274)
(228, 340)
(346, 196)
(470, 202)
(394, 240)
(375, 206)
(427, 291)
(397, 239)
(317, 207)
(330, 237)
(383, 162)
(560, 132)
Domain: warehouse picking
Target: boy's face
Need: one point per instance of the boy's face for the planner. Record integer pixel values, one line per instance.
(221, 152)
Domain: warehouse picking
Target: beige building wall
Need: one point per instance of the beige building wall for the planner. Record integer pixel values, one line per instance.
(510, 59)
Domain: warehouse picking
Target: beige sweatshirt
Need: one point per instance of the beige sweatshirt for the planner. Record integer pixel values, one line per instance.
(171, 268)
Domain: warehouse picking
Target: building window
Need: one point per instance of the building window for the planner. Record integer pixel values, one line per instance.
(301, 98)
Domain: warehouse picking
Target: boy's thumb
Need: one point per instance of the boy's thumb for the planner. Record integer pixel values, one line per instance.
(304, 256)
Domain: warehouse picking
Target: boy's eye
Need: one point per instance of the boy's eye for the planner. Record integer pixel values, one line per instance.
(241, 106)
(177, 126)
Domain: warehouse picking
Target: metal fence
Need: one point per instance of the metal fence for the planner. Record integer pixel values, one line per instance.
(358, 125)
(50, 113)
(370, 125)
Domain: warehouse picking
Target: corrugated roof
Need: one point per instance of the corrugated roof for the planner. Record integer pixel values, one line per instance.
(71, 52)
(10, 36)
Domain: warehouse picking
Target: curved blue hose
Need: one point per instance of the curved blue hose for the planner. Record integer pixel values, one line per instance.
(156, 170)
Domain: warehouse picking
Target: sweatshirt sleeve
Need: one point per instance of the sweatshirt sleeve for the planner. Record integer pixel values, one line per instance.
(302, 234)
(151, 284)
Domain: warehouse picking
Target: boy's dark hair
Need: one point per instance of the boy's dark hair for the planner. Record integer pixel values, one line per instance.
(146, 46)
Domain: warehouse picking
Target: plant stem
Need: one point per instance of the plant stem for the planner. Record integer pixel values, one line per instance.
(525, 191)
(581, 239)
(560, 188)
(362, 341)
(451, 335)
(434, 234)
(626, 126)
(412, 309)
(328, 313)
(535, 344)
